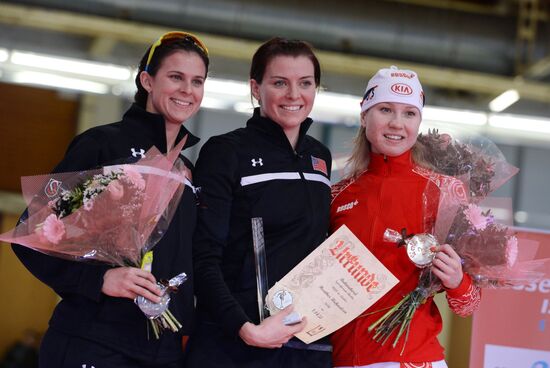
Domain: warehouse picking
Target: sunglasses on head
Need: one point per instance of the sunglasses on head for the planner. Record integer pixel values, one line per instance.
(175, 36)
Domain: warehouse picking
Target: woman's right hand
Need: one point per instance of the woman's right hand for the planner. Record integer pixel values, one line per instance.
(272, 332)
(130, 282)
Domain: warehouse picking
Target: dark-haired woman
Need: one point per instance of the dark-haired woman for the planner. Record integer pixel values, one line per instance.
(270, 169)
(97, 324)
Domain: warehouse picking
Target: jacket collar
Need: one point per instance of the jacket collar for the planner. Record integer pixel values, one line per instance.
(386, 165)
(275, 132)
(140, 121)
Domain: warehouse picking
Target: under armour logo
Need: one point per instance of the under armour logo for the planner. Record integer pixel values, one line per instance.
(140, 153)
(257, 162)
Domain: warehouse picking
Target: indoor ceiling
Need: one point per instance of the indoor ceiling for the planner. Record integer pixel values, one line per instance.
(466, 52)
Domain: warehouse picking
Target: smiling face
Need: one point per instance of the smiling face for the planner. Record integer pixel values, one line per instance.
(176, 90)
(391, 128)
(287, 91)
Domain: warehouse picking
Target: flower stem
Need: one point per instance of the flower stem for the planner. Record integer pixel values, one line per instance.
(174, 319)
(168, 319)
(155, 328)
(388, 313)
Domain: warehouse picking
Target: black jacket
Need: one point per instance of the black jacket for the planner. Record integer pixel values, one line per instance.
(84, 310)
(254, 172)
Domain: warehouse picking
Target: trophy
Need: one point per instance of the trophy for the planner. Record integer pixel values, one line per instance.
(261, 267)
(282, 298)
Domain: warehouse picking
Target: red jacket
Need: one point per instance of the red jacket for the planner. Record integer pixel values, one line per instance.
(390, 195)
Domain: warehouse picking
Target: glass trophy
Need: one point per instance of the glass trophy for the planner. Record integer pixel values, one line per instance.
(282, 299)
(261, 266)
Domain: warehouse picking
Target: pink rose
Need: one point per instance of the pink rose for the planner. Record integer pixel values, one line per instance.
(132, 176)
(115, 189)
(511, 251)
(53, 229)
(475, 217)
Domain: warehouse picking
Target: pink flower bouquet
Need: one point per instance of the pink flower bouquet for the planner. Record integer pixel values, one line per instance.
(114, 214)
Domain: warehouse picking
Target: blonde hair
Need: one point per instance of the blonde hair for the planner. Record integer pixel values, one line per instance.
(360, 155)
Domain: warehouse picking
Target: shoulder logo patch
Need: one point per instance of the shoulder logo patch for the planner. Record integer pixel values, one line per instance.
(319, 164)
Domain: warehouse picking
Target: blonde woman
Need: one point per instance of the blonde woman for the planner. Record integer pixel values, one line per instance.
(384, 189)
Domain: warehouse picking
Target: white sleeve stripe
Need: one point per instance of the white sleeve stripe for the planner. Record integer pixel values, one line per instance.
(156, 171)
(143, 169)
(317, 177)
(254, 179)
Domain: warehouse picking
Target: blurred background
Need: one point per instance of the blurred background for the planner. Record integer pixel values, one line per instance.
(66, 66)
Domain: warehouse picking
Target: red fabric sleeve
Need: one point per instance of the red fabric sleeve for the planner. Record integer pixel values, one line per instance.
(464, 299)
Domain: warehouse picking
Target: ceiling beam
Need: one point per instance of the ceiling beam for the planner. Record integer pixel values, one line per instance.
(338, 63)
(440, 77)
(500, 9)
(503, 8)
(539, 69)
(102, 46)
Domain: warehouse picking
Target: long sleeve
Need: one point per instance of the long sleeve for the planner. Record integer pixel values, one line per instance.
(465, 299)
(64, 276)
(215, 174)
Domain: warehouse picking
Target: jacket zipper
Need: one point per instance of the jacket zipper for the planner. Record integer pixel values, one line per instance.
(297, 158)
(385, 174)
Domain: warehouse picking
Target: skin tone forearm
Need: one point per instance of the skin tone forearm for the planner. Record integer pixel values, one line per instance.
(272, 332)
(130, 282)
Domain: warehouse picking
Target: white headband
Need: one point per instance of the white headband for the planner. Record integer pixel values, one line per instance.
(394, 85)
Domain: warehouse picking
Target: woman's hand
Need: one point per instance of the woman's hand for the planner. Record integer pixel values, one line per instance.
(272, 332)
(447, 266)
(130, 282)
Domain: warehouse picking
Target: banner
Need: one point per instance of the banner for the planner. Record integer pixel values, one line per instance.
(511, 329)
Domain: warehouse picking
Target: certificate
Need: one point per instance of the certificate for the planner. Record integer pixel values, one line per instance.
(334, 284)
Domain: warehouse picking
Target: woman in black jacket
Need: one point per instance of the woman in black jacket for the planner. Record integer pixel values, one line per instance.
(273, 170)
(97, 324)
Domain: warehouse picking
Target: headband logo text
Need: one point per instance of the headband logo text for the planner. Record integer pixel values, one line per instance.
(403, 75)
(401, 89)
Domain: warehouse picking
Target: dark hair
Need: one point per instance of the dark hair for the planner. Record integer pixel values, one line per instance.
(166, 49)
(278, 46)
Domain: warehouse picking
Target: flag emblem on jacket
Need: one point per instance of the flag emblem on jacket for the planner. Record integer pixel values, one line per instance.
(319, 165)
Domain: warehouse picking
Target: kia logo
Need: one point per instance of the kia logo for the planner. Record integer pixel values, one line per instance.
(401, 89)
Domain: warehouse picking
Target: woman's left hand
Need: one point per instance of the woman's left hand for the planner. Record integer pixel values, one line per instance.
(447, 266)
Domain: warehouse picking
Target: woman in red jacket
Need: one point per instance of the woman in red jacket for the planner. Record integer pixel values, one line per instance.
(384, 189)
